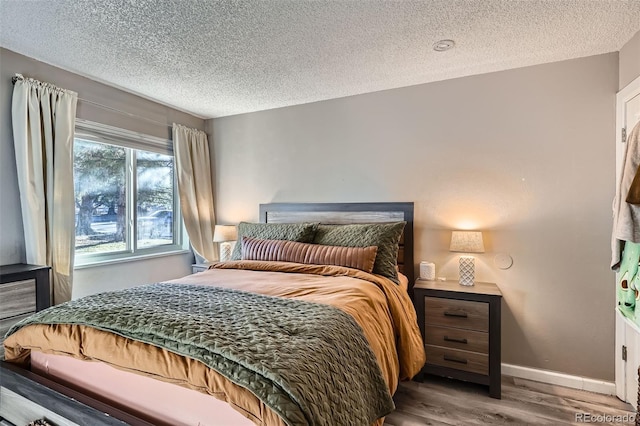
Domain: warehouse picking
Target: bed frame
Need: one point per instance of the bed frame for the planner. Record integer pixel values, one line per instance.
(58, 403)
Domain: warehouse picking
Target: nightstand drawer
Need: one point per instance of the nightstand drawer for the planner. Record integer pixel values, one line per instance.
(457, 338)
(17, 298)
(460, 360)
(456, 313)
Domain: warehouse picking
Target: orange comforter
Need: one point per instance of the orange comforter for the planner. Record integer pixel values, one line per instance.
(381, 308)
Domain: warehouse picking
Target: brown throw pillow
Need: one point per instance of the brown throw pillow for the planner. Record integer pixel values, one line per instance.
(362, 258)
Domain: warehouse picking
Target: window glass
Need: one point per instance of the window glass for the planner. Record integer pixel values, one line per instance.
(100, 196)
(154, 199)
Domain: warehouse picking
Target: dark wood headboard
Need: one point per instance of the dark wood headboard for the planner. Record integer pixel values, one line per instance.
(342, 213)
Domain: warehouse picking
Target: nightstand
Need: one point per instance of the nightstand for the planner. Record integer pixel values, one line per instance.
(460, 327)
(199, 267)
(24, 289)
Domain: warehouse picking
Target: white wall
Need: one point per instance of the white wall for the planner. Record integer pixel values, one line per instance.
(526, 155)
(101, 278)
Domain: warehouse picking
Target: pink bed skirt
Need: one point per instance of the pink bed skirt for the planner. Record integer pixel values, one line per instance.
(151, 399)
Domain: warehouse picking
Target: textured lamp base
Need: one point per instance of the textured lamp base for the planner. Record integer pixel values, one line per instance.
(225, 251)
(467, 270)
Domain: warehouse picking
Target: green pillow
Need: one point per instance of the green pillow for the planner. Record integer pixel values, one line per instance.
(385, 236)
(301, 232)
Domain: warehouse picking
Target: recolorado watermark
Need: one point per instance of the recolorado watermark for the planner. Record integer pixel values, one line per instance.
(605, 418)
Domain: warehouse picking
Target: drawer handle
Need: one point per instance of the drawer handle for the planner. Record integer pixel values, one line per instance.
(452, 339)
(455, 314)
(454, 359)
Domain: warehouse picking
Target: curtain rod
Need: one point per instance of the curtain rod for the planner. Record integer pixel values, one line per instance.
(129, 114)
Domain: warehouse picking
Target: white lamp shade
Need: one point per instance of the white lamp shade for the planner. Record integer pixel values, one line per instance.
(223, 233)
(467, 242)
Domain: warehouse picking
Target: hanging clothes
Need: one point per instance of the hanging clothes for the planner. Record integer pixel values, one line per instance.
(633, 197)
(626, 216)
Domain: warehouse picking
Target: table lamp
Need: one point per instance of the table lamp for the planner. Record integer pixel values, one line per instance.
(467, 242)
(224, 234)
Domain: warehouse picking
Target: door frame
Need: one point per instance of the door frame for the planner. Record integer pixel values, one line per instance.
(625, 94)
(626, 333)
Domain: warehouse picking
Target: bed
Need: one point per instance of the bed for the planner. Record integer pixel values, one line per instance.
(172, 381)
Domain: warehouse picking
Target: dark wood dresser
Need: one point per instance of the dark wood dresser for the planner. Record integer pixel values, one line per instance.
(24, 289)
(460, 326)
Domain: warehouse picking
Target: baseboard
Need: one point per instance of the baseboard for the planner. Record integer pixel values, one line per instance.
(560, 379)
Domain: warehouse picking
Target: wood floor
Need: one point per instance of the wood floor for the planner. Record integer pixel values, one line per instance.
(440, 401)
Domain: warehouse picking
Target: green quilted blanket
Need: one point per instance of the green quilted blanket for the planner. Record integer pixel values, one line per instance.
(308, 362)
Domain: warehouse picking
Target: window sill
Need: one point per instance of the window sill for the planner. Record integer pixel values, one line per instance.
(130, 259)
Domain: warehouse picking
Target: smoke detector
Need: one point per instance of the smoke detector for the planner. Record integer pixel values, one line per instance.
(442, 45)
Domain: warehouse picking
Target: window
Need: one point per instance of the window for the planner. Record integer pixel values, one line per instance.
(125, 193)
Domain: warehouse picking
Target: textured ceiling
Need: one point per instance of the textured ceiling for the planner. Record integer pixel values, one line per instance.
(217, 58)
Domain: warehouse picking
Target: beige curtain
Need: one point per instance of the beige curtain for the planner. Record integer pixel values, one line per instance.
(193, 166)
(43, 119)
